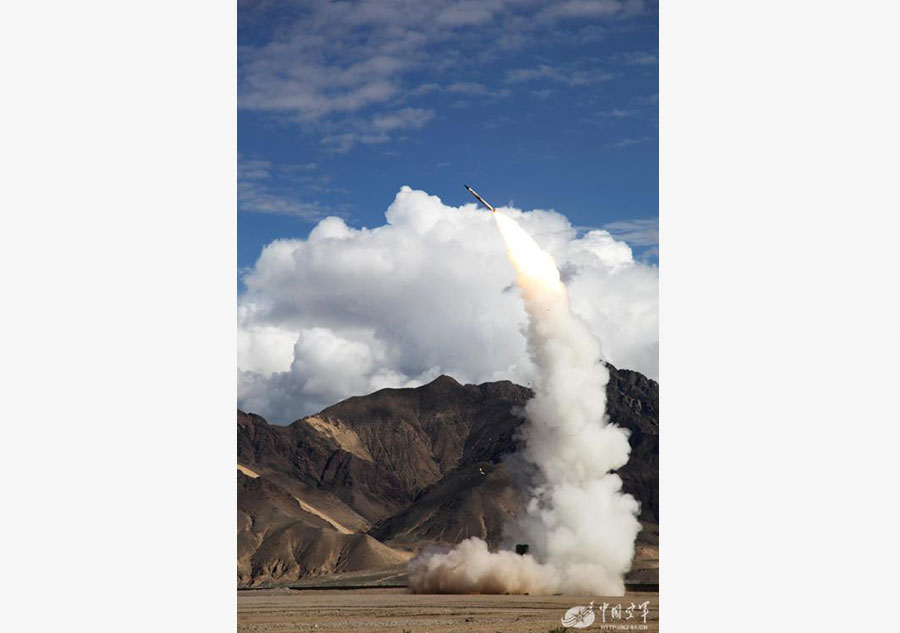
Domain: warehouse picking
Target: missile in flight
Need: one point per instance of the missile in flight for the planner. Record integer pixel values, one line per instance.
(479, 198)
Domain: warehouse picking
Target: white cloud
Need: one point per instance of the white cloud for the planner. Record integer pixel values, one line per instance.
(328, 64)
(640, 58)
(401, 119)
(468, 87)
(256, 194)
(625, 142)
(573, 9)
(348, 311)
(640, 232)
(617, 113)
(258, 199)
(560, 75)
(253, 169)
(465, 13)
(378, 128)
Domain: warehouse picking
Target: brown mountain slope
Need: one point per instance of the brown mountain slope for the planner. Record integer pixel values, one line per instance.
(473, 500)
(280, 541)
(412, 466)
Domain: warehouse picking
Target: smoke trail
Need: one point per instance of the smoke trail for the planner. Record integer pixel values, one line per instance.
(580, 525)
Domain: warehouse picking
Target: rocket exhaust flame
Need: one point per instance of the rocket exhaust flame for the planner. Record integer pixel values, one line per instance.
(533, 264)
(579, 523)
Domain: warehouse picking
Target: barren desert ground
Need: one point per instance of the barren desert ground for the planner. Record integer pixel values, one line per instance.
(398, 611)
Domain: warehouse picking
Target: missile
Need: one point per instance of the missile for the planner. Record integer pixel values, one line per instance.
(479, 198)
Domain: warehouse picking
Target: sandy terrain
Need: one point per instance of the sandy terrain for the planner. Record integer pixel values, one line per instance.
(247, 471)
(346, 437)
(303, 504)
(337, 526)
(396, 611)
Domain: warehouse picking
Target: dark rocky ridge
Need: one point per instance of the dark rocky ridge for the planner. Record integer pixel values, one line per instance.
(405, 465)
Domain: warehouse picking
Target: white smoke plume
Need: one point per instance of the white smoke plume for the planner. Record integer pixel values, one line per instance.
(580, 525)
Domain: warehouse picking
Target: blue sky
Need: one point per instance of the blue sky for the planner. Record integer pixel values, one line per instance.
(544, 105)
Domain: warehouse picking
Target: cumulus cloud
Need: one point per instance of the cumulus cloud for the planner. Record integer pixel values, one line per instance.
(348, 311)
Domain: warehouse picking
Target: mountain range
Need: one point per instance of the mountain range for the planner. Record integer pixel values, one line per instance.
(356, 489)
